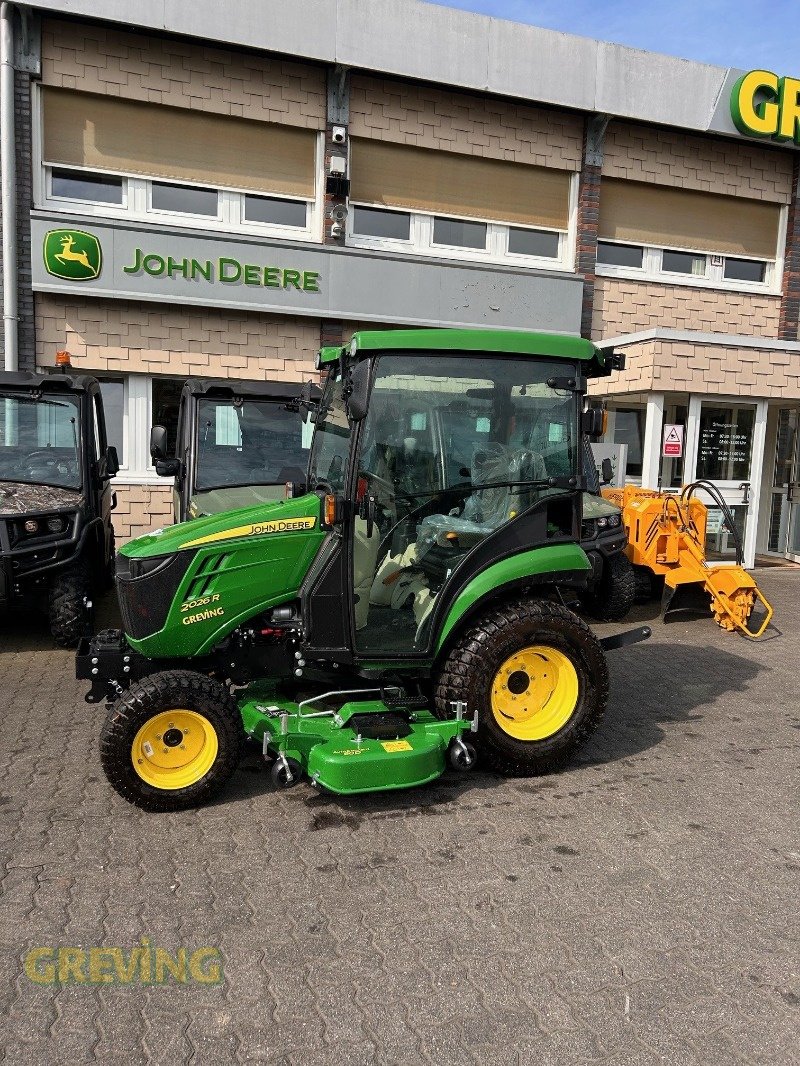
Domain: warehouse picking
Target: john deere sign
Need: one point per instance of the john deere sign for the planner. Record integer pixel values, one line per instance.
(182, 267)
(72, 254)
(764, 105)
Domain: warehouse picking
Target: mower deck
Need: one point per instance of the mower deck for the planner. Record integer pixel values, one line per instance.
(362, 745)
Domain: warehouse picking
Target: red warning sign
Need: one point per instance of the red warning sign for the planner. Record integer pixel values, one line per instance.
(673, 442)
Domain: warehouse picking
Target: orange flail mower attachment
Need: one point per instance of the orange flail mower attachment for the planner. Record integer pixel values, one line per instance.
(667, 535)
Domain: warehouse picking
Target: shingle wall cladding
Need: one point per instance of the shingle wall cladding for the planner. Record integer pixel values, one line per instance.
(162, 70)
(688, 161)
(416, 114)
(622, 306)
(149, 338)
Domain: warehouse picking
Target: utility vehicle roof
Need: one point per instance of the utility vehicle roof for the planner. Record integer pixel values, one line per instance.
(484, 341)
(279, 390)
(54, 382)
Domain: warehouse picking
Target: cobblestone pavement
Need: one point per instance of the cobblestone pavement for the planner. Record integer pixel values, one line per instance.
(639, 908)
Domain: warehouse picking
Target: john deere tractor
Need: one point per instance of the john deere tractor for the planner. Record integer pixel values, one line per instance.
(404, 614)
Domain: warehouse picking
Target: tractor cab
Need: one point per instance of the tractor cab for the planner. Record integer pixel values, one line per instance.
(237, 443)
(412, 596)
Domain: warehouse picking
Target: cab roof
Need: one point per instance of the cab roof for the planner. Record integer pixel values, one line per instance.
(485, 341)
(54, 381)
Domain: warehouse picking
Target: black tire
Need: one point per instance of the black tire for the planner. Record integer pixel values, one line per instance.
(611, 597)
(177, 691)
(643, 579)
(67, 608)
(286, 774)
(470, 668)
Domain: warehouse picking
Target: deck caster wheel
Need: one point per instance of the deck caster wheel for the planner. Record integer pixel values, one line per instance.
(285, 772)
(461, 755)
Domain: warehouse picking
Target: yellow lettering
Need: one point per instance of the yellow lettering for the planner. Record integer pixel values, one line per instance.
(790, 109)
(209, 974)
(757, 119)
(124, 973)
(165, 963)
(100, 959)
(70, 965)
(36, 969)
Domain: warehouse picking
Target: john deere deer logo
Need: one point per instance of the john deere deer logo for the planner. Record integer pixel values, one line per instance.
(72, 254)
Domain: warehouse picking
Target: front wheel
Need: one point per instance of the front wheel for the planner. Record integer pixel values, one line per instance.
(538, 678)
(614, 593)
(171, 741)
(69, 606)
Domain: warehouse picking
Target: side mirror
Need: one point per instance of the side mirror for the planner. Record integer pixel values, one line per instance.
(168, 467)
(606, 471)
(112, 462)
(158, 443)
(359, 391)
(593, 423)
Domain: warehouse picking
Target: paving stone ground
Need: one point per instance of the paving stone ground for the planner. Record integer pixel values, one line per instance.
(639, 908)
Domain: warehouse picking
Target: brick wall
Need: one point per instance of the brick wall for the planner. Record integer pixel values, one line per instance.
(149, 338)
(458, 122)
(140, 509)
(707, 369)
(103, 59)
(687, 161)
(622, 306)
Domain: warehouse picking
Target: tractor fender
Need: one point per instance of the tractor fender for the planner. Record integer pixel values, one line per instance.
(551, 564)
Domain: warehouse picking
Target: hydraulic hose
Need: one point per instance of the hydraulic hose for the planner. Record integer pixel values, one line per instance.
(716, 495)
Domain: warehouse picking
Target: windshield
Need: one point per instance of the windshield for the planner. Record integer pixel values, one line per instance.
(39, 440)
(248, 442)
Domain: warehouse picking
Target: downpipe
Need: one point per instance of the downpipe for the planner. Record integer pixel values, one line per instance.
(8, 178)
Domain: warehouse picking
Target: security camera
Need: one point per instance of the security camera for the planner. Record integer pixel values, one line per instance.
(338, 134)
(338, 213)
(338, 165)
(337, 229)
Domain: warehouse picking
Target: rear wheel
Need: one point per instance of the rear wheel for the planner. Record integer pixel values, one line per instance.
(611, 597)
(538, 678)
(171, 741)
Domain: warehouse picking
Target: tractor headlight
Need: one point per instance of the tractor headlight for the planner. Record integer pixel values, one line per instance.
(31, 525)
(56, 524)
(602, 523)
(614, 520)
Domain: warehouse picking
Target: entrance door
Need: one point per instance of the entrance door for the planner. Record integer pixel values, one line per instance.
(784, 519)
(729, 439)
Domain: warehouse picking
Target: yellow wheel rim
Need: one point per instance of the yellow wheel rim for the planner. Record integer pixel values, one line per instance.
(174, 749)
(534, 693)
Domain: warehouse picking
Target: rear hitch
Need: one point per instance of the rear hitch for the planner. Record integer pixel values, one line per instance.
(622, 640)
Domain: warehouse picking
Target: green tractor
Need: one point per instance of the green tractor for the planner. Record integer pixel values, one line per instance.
(405, 614)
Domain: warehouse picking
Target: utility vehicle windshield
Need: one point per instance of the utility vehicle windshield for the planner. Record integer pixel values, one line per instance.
(248, 442)
(451, 449)
(40, 439)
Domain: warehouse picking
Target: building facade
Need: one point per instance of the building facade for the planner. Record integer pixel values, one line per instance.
(198, 197)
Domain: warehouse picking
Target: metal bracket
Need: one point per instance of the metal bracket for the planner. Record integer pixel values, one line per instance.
(595, 139)
(28, 42)
(338, 95)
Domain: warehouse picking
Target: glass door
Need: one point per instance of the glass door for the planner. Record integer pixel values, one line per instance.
(726, 433)
(784, 519)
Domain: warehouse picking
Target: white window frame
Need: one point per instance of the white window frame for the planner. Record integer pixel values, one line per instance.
(137, 195)
(124, 380)
(420, 241)
(714, 278)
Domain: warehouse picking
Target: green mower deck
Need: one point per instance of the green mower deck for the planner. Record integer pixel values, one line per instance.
(362, 746)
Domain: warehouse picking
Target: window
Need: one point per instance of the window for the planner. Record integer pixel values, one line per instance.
(533, 242)
(458, 233)
(442, 201)
(276, 212)
(683, 263)
(624, 255)
(166, 397)
(184, 199)
(713, 240)
(391, 225)
(76, 185)
(328, 462)
(116, 156)
(113, 391)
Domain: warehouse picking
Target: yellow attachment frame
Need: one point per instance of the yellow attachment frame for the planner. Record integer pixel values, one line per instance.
(667, 535)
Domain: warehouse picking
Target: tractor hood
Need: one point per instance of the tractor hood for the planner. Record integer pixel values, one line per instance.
(258, 521)
(597, 507)
(185, 588)
(23, 498)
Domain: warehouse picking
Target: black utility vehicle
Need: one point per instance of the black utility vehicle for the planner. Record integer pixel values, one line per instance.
(56, 537)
